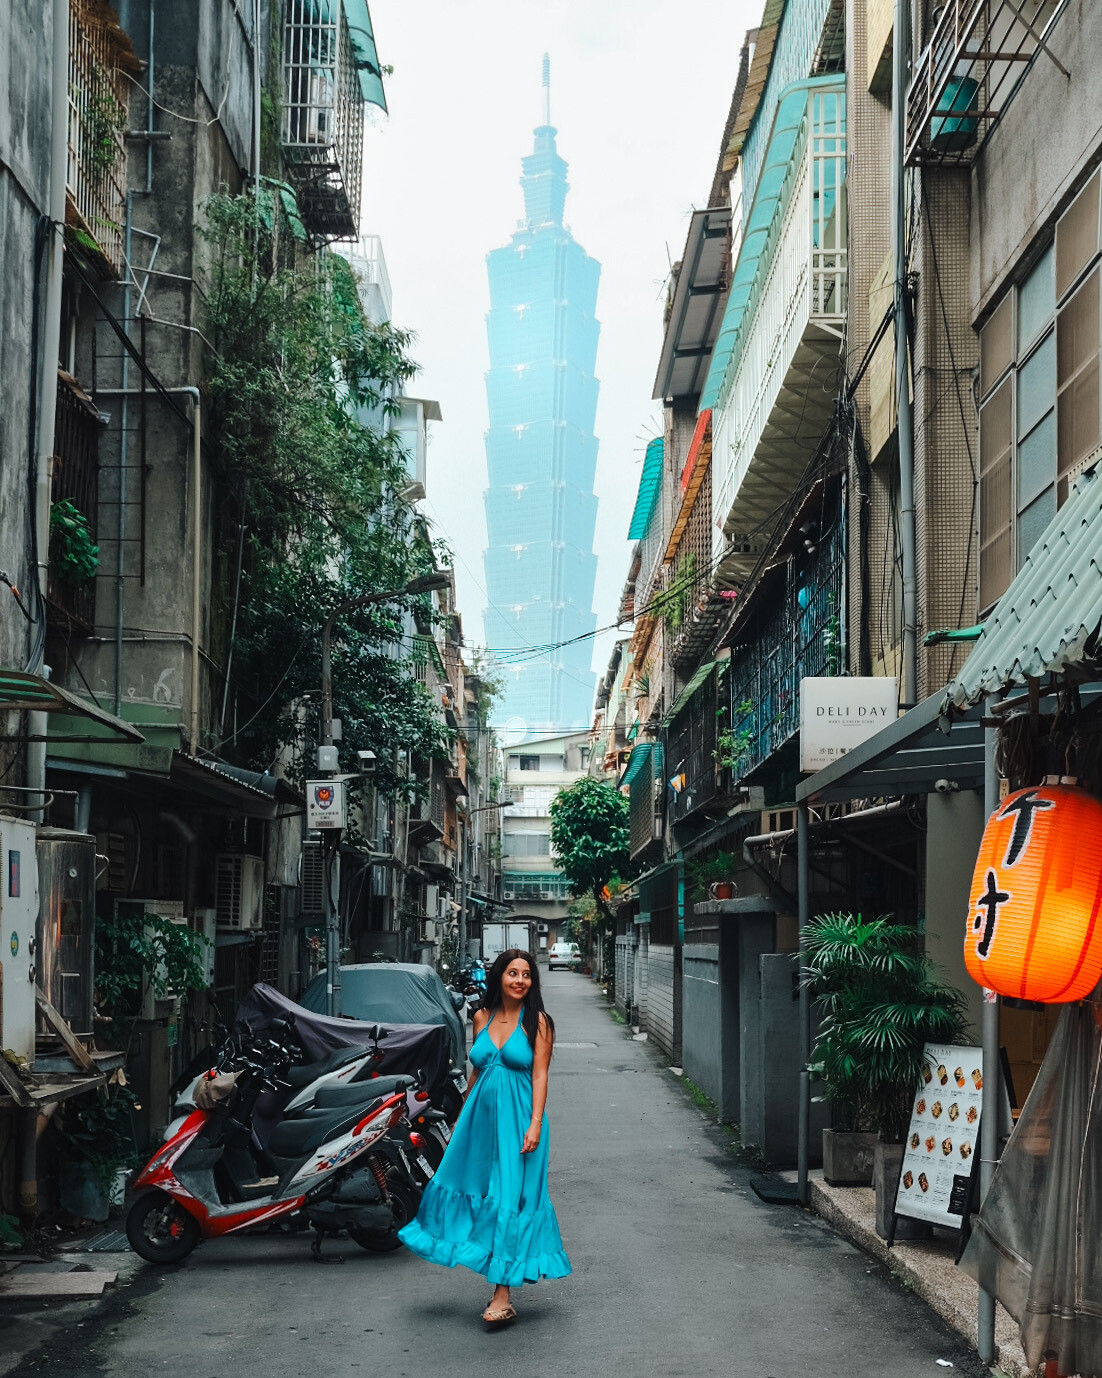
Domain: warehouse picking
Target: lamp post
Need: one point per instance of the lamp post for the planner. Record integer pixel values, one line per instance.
(482, 808)
(327, 767)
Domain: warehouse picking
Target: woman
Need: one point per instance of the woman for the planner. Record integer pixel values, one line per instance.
(487, 1207)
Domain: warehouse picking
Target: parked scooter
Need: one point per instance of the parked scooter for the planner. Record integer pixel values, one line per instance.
(331, 1167)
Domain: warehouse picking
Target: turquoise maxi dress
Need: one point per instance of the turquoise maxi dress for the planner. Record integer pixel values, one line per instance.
(487, 1208)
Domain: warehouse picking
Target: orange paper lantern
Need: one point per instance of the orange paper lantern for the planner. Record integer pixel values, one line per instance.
(1035, 922)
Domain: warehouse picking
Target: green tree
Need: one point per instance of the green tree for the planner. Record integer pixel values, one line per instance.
(590, 837)
(301, 388)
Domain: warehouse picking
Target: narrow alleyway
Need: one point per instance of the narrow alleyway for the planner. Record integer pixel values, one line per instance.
(678, 1269)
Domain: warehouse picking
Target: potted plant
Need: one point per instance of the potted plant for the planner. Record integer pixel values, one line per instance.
(97, 1145)
(881, 1002)
(713, 876)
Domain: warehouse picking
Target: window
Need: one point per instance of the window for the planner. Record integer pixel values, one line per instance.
(526, 844)
(529, 762)
(1039, 380)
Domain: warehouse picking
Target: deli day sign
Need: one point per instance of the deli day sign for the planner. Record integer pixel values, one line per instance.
(838, 713)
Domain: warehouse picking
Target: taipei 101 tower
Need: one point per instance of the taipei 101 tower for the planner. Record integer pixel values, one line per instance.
(541, 454)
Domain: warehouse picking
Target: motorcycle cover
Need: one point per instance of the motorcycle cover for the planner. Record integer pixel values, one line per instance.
(407, 1047)
(399, 992)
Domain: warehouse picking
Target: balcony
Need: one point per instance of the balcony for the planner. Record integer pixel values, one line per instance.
(695, 776)
(330, 69)
(776, 365)
(100, 64)
(801, 634)
(969, 71)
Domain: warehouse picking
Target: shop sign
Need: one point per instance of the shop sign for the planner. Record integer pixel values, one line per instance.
(943, 1136)
(325, 804)
(838, 713)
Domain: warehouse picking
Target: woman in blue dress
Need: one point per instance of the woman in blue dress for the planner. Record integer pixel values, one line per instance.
(487, 1208)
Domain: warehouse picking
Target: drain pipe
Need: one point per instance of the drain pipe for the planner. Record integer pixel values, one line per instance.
(196, 548)
(904, 416)
(51, 351)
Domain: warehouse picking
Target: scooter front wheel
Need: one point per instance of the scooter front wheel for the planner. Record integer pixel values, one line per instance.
(403, 1202)
(160, 1230)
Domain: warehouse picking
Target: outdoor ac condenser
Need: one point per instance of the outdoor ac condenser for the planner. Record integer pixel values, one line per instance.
(239, 892)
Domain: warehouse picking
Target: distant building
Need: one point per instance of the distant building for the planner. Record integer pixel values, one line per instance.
(541, 453)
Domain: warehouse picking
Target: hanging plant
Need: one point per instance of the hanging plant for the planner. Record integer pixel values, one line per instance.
(74, 554)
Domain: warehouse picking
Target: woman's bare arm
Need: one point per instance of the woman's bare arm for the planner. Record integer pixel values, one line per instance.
(541, 1061)
(478, 1022)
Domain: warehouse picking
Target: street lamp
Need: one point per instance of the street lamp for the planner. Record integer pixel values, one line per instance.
(482, 808)
(327, 766)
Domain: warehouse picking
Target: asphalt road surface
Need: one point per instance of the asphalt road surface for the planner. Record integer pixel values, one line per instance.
(678, 1269)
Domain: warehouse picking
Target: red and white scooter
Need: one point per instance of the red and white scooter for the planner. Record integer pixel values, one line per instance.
(331, 1167)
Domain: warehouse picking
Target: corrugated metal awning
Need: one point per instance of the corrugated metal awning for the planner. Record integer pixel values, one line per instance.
(689, 690)
(33, 693)
(1049, 617)
(639, 758)
(368, 70)
(650, 480)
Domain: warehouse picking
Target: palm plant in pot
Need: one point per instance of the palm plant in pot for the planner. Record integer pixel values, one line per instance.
(880, 1001)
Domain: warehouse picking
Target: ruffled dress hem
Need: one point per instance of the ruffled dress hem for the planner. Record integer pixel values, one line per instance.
(509, 1273)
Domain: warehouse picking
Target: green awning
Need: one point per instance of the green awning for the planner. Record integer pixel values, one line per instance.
(367, 59)
(32, 693)
(682, 700)
(650, 481)
(758, 239)
(1050, 616)
(639, 758)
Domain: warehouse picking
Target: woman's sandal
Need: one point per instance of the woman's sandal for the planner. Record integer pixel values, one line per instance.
(499, 1315)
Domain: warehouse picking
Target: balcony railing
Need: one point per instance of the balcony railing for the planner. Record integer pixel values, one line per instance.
(99, 102)
(786, 315)
(802, 636)
(75, 480)
(967, 74)
(323, 117)
(694, 775)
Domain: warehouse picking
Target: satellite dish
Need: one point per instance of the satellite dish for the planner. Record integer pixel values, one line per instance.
(514, 732)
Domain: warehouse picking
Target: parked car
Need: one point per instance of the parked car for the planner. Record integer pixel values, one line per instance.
(393, 992)
(566, 955)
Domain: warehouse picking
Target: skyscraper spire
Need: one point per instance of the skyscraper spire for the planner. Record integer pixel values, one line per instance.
(547, 88)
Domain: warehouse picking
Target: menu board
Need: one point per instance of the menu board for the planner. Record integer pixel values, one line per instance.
(943, 1139)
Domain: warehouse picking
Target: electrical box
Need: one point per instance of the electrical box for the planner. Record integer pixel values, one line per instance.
(18, 943)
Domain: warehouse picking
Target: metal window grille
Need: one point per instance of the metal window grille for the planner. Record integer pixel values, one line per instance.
(99, 102)
(323, 118)
(76, 480)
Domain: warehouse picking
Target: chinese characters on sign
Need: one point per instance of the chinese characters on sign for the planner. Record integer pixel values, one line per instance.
(325, 804)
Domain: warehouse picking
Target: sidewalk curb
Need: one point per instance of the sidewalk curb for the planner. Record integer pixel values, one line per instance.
(925, 1275)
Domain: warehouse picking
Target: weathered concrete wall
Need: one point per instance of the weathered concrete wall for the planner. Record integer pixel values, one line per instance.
(1048, 137)
(26, 35)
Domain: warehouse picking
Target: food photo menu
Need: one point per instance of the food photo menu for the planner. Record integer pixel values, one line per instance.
(943, 1136)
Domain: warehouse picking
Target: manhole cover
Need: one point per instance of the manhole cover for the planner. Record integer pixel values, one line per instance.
(108, 1242)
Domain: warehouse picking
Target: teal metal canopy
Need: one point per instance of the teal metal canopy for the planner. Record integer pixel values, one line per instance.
(367, 59)
(769, 201)
(650, 481)
(638, 759)
(682, 700)
(1049, 618)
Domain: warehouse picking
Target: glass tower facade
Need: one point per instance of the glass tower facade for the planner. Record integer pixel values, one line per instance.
(541, 454)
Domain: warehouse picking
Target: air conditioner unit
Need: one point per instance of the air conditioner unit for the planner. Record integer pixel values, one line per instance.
(239, 892)
(542, 928)
(312, 878)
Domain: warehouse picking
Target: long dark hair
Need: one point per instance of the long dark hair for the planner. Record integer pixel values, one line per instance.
(533, 1001)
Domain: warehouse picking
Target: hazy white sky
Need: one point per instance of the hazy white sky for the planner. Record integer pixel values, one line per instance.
(639, 95)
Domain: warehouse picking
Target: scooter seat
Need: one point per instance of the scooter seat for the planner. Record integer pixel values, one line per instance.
(310, 1071)
(330, 1097)
(296, 1137)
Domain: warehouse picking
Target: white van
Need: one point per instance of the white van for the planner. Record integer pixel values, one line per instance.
(567, 955)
